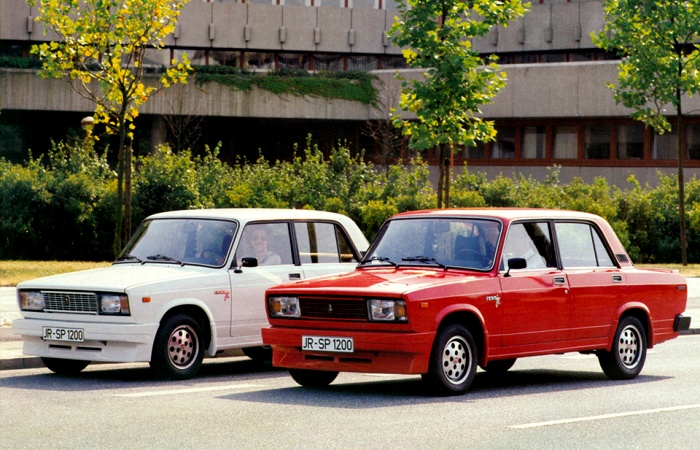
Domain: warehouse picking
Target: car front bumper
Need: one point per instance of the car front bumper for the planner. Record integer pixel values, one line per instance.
(104, 342)
(374, 352)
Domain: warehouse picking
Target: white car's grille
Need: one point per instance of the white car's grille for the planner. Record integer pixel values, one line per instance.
(70, 302)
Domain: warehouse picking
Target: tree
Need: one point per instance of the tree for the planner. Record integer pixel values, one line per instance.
(455, 79)
(100, 51)
(657, 41)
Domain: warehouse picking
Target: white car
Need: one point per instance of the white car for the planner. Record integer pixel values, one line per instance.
(189, 283)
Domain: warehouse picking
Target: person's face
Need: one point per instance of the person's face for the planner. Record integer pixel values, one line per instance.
(259, 241)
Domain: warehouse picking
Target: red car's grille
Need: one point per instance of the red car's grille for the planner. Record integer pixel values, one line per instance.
(324, 308)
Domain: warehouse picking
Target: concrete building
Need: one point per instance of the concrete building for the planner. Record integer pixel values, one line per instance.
(555, 108)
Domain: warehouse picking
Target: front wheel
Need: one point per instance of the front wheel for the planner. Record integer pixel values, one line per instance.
(313, 378)
(178, 348)
(65, 366)
(453, 362)
(629, 351)
(261, 355)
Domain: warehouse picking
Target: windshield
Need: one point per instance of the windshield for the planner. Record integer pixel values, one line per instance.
(181, 241)
(445, 242)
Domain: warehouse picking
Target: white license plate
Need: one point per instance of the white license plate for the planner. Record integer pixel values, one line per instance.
(328, 344)
(63, 334)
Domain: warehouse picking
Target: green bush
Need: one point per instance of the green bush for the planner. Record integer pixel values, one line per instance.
(63, 206)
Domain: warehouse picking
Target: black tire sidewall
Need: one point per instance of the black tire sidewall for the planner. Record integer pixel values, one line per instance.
(610, 360)
(435, 378)
(160, 361)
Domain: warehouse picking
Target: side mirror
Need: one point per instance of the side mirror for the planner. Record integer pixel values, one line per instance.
(515, 263)
(253, 262)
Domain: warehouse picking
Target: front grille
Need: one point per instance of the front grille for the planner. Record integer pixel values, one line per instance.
(323, 308)
(70, 302)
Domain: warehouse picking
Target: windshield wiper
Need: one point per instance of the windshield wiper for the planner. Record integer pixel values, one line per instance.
(129, 258)
(164, 258)
(378, 258)
(424, 259)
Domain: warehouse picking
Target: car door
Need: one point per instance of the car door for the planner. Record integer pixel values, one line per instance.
(270, 243)
(535, 301)
(594, 279)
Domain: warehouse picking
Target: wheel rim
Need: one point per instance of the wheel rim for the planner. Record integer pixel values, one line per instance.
(629, 346)
(456, 360)
(183, 346)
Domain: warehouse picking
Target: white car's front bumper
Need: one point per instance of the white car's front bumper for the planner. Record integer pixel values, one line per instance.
(102, 342)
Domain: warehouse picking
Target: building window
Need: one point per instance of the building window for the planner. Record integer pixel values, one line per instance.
(331, 63)
(596, 142)
(476, 152)
(534, 142)
(362, 63)
(565, 142)
(630, 141)
(294, 61)
(692, 141)
(664, 146)
(504, 147)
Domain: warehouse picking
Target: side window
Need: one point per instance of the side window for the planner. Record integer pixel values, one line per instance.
(320, 242)
(269, 243)
(581, 246)
(531, 241)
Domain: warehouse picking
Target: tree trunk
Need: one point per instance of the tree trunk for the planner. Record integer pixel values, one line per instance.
(126, 234)
(681, 185)
(441, 177)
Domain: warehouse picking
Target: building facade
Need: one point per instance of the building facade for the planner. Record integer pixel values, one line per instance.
(555, 109)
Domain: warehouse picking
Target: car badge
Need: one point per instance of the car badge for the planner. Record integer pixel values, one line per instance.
(66, 301)
(330, 308)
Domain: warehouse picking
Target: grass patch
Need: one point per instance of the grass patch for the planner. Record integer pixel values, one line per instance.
(13, 272)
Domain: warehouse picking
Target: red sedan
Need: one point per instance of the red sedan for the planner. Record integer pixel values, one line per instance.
(440, 292)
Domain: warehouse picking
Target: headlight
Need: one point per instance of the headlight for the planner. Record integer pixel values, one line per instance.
(114, 304)
(31, 301)
(284, 307)
(388, 310)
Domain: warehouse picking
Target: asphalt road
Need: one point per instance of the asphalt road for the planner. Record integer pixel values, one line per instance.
(544, 402)
(561, 401)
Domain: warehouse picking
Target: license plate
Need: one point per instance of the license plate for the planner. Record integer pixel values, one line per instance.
(328, 344)
(63, 334)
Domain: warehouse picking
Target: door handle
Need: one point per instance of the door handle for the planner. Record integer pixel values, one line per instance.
(617, 278)
(559, 280)
(295, 276)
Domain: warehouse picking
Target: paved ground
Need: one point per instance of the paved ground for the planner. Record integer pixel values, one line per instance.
(11, 345)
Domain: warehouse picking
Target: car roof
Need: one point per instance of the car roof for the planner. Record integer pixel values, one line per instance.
(506, 214)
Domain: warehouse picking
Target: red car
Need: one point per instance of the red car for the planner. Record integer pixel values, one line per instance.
(440, 292)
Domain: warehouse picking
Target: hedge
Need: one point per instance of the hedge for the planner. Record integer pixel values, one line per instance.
(61, 207)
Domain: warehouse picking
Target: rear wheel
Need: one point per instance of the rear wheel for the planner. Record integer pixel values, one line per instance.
(65, 366)
(453, 362)
(177, 350)
(313, 378)
(629, 351)
(262, 354)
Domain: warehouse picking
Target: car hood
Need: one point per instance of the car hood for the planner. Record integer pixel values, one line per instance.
(116, 278)
(374, 281)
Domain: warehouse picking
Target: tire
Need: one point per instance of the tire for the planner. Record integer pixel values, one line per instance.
(262, 354)
(313, 378)
(178, 348)
(453, 362)
(65, 366)
(629, 351)
(499, 366)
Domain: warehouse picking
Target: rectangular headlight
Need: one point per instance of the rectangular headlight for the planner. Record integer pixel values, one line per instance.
(31, 301)
(284, 307)
(388, 310)
(114, 304)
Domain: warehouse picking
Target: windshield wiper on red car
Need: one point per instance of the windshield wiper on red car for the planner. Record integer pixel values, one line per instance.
(129, 258)
(424, 259)
(378, 258)
(164, 258)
